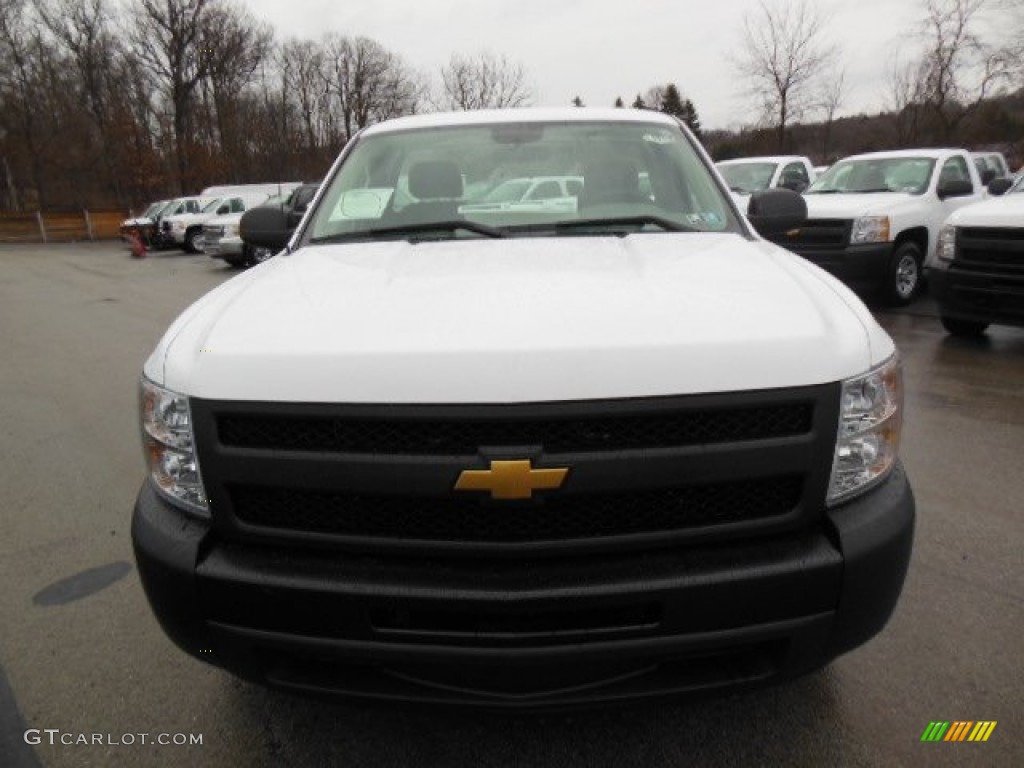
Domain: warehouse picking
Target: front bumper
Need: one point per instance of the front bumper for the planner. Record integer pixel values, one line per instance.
(519, 634)
(977, 296)
(861, 266)
(224, 247)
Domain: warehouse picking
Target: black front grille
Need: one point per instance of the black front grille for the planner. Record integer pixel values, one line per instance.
(642, 472)
(558, 518)
(465, 437)
(991, 250)
(816, 235)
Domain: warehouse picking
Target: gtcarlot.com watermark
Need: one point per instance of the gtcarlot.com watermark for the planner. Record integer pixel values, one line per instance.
(55, 737)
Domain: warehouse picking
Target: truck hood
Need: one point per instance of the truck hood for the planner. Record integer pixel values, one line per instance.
(1007, 211)
(851, 206)
(519, 320)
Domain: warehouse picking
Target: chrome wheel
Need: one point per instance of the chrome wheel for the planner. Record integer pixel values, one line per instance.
(907, 276)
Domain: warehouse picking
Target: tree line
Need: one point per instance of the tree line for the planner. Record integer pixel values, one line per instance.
(123, 101)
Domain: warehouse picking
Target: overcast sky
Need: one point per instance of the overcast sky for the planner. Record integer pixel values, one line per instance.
(601, 49)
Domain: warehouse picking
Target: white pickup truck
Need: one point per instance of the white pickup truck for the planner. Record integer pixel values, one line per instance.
(977, 272)
(874, 219)
(526, 457)
(747, 175)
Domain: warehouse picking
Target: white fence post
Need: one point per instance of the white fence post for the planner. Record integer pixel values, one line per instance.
(42, 226)
(88, 223)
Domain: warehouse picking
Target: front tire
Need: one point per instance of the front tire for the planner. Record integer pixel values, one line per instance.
(194, 241)
(903, 278)
(955, 326)
(257, 255)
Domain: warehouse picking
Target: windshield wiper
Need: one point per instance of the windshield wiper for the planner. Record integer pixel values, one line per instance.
(625, 221)
(412, 229)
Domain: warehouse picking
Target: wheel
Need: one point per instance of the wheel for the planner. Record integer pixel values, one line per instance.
(235, 261)
(194, 241)
(903, 279)
(259, 255)
(958, 327)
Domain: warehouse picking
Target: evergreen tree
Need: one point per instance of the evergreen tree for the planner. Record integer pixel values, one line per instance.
(672, 103)
(639, 102)
(619, 104)
(691, 118)
(578, 102)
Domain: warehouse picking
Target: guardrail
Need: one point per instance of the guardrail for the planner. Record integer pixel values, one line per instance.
(60, 226)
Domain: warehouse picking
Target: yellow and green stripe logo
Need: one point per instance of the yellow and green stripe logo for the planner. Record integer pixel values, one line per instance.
(959, 730)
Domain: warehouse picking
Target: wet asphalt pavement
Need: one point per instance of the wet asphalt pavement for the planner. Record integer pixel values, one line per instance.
(80, 653)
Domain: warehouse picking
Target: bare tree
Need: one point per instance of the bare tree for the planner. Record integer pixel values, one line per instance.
(905, 99)
(368, 82)
(483, 81)
(233, 45)
(958, 70)
(23, 61)
(83, 29)
(937, 92)
(831, 95)
(784, 53)
(166, 37)
(302, 64)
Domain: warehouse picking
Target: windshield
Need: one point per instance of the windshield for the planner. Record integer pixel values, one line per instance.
(1017, 188)
(521, 178)
(909, 175)
(211, 207)
(747, 178)
(154, 209)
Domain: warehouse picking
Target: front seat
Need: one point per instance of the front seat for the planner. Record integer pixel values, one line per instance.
(437, 187)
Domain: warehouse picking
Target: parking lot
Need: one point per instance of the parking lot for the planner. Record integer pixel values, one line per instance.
(81, 654)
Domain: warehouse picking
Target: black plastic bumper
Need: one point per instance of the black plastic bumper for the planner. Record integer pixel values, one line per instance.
(971, 295)
(861, 266)
(515, 634)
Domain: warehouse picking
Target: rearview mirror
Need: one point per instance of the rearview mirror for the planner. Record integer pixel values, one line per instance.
(773, 211)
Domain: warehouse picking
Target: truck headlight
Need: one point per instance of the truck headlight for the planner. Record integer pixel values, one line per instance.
(946, 249)
(870, 422)
(870, 229)
(169, 447)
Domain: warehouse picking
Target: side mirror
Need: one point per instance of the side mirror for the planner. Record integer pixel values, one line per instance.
(774, 211)
(999, 186)
(988, 176)
(223, 209)
(265, 227)
(955, 188)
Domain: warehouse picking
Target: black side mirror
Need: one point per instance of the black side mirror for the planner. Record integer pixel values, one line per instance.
(999, 186)
(774, 211)
(265, 227)
(955, 188)
(988, 176)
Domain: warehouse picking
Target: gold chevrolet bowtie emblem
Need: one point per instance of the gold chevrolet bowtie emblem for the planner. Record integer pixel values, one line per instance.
(511, 479)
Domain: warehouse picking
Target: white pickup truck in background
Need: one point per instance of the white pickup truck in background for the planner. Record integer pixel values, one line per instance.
(874, 219)
(747, 175)
(977, 272)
